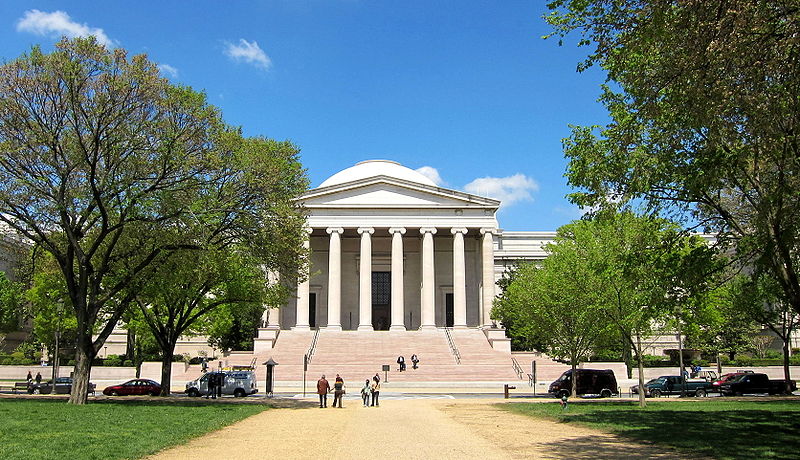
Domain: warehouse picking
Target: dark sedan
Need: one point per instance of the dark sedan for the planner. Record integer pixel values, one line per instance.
(134, 387)
(63, 386)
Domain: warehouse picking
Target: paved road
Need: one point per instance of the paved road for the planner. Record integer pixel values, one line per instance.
(406, 429)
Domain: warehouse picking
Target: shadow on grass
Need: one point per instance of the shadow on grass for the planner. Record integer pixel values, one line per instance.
(729, 430)
(150, 401)
(592, 448)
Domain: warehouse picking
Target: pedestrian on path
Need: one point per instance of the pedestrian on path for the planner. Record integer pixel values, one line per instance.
(365, 392)
(402, 362)
(38, 378)
(375, 389)
(323, 387)
(414, 361)
(338, 391)
(377, 377)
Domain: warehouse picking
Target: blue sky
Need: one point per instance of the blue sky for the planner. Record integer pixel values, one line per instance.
(467, 90)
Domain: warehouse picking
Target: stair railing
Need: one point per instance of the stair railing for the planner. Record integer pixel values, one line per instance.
(517, 368)
(452, 344)
(312, 348)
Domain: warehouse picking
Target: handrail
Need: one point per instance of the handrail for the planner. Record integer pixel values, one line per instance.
(453, 347)
(517, 368)
(313, 347)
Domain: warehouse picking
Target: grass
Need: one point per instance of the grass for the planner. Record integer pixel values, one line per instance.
(107, 430)
(714, 427)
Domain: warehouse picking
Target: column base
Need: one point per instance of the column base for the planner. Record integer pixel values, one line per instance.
(365, 327)
(427, 327)
(333, 327)
(302, 328)
(397, 327)
(460, 326)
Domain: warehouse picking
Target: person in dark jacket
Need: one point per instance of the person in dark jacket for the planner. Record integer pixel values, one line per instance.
(414, 361)
(323, 387)
(402, 362)
(338, 391)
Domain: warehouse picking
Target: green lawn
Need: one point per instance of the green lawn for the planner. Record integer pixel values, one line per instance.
(41, 429)
(714, 427)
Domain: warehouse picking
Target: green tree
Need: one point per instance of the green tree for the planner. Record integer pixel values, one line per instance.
(10, 293)
(554, 304)
(704, 101)
(99, 156)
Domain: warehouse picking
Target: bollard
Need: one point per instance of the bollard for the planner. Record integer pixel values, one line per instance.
(507, 387)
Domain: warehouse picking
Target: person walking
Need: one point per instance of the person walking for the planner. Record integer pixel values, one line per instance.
(375, 389)
(402, 362)
(414, 361)
(38, 378)
(323, 387)
(338, 391)
(365, 392)
(377, 377)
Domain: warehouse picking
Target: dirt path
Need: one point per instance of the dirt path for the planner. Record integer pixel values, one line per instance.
(406, 429)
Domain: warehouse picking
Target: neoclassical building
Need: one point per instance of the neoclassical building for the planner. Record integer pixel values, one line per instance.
(391, 250)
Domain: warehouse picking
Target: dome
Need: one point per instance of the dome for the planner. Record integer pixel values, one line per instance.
(372, 168)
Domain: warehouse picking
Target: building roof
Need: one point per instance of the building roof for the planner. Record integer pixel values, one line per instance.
(373, 168)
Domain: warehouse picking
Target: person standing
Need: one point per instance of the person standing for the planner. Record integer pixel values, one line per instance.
(220, 383)
(402, 362)
(414, 361)
(323, 387)
(212, 386)
(38, 378)
(365, 392)
(338, 391)
(375, 389)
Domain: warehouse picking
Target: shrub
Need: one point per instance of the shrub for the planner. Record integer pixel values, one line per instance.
(112, 360)
(773, 354)
(744, 360)
(654, 361)
(127, 363)
(794, 360)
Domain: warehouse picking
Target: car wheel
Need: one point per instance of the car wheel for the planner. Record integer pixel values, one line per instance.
(605, 393)
(114, 393)
(155, 393)
(239, 393)
(193, 393)
(700, 393)
(563, 394)
(37, 391)
(656, 393)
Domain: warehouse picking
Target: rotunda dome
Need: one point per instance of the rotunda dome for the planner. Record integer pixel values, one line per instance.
(372, 168)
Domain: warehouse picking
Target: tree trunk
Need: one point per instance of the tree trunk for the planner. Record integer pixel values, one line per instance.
(574, 391)
(642, 400)
(786, 374)
(137, 359)
(166, 368)
(84, 354)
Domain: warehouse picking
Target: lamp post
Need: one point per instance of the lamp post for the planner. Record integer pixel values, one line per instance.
(270, 383)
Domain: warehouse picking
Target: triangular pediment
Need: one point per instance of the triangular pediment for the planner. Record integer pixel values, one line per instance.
(388, 192)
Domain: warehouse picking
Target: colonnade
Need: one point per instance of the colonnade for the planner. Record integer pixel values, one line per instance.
(428, 279)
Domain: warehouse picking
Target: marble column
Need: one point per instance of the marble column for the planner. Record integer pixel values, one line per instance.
(303, 291)
(428, 294)
(459, 279)
(335, 279)
(398, 309)
(365, 280)
(487, 275)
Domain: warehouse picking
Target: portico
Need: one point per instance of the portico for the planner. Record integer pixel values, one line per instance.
(391, 250)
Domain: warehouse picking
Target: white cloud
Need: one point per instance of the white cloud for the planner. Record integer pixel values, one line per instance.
(168, 70)
(431, 173)
(508, 190)
(248, 52)
(59, 23)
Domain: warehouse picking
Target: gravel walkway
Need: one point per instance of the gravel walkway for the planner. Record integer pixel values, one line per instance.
(406, 429)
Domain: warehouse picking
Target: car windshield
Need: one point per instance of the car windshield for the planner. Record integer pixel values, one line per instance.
(658, 380)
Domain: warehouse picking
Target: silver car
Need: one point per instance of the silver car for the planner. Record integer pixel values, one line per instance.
(237, 383)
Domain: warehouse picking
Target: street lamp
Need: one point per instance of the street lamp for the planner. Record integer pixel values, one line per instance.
(270, 376)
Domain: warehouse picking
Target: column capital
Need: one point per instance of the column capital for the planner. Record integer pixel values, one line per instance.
(338, 230)
(493, 231)
(308, 230)
(461, 230)
(362, 230)
(400, 230)
(431, 230)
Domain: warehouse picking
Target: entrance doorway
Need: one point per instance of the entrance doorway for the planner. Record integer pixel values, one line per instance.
(312, 309)
(448, 310)
(381, 300)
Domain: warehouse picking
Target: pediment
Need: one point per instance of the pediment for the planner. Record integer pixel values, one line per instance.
(386, 192)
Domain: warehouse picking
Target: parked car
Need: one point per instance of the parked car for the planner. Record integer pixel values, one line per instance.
(63, 387)
(600, 382)
(672, 385)
(755, 383)
(134, 387)
(728, 377)
(237, 383)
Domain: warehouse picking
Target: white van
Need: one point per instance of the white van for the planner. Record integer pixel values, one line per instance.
(237, 383)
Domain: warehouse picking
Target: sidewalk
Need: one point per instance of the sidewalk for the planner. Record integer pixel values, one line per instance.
(409, 429)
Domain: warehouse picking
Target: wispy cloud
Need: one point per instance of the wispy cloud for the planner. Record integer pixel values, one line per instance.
(59, 23)
(168, 70)
(431, 173)
(508, 190)
(248, 52)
